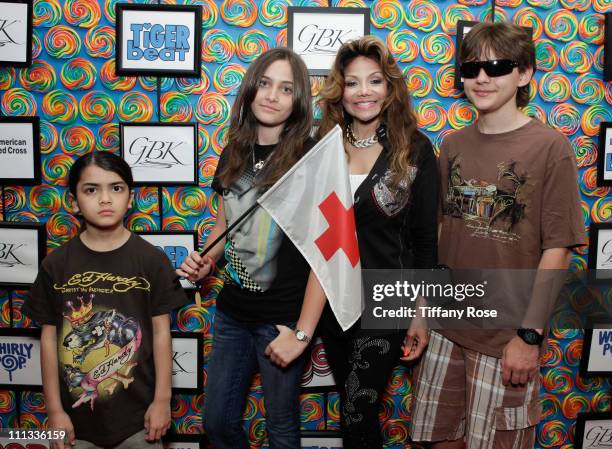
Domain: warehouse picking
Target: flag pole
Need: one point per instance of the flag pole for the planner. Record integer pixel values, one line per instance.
(238, 220)
(205, 251)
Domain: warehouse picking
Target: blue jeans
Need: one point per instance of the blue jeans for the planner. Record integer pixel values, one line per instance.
(237, 351)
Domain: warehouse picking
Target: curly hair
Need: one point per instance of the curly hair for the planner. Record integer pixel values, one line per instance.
(396, 112)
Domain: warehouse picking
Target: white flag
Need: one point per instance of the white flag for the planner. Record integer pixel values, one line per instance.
(313, 205)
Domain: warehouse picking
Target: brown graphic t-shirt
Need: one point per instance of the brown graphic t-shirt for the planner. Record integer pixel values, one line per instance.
(102, 304)
(505, 199)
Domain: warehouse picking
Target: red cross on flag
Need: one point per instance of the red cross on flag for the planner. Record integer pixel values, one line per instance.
(313, 205)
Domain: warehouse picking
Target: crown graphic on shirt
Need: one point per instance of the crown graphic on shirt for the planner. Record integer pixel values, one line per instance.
(79, 312)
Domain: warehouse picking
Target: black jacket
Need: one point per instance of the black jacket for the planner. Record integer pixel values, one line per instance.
(396, 230)
(399, 231)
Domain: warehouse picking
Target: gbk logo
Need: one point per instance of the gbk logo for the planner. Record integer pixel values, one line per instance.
(9, 256)
(155, 153)
(14, 356)
(598, 437)
(152, 42)
(606, 251)
(7, 28)
(323, 40)
(178, 363)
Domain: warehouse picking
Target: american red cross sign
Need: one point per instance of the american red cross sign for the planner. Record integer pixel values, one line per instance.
(341, 234)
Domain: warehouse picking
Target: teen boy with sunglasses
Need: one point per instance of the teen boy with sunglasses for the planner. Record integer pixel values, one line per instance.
(509, 201)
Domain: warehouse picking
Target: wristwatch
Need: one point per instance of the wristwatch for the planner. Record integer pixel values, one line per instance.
(530, 336)
(301, 335)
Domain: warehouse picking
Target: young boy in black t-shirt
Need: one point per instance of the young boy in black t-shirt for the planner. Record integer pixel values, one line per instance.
(103, 300)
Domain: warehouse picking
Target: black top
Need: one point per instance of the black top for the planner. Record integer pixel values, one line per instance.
(396, 230)
(280, 303)
(399, 231)
(102, 304)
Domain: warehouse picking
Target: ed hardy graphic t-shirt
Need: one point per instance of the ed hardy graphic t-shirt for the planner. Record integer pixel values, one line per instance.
(102, 304)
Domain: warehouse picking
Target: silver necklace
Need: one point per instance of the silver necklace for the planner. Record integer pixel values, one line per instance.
(359, 143)
(259, 164)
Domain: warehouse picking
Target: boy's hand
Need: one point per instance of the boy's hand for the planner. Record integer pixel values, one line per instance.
(285, 348)
(61, 420)
(195, 267)
(157, 420)
(519, 362)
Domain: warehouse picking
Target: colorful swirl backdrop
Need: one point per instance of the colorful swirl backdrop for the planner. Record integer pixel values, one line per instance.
(73, 87)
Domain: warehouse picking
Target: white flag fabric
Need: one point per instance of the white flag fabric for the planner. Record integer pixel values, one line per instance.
(313, 205)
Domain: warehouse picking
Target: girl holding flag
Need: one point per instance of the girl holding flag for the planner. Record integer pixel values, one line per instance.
(269, 306)
(394, 179)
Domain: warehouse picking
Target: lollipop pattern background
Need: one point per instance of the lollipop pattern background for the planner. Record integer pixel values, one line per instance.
(73, 87)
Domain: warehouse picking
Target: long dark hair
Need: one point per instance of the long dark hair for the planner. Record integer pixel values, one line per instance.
(396, 112)
(242, 133)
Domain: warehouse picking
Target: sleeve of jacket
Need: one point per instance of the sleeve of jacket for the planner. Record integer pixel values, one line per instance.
(424, 206)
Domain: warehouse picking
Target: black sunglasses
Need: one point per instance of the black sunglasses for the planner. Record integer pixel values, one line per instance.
(493, 67)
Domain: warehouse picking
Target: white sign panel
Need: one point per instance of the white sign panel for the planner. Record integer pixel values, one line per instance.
(19, 361)
(593, 430)
(16, 150)
(600, 354)
(161, 154)
(604, 253)
(19, 150)
(20, 254)
(175, 245)
(316, 34)
(185, 441)
(597, 434)
(187, 375)
(15, 26)
(321, 443)
(181, 445)
(159, 40)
